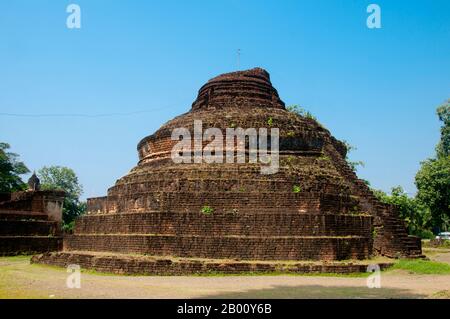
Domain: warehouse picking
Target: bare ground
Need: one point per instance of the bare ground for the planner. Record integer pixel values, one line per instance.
(19, 279)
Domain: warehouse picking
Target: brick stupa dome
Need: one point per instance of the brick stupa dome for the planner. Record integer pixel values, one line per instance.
(313, 208)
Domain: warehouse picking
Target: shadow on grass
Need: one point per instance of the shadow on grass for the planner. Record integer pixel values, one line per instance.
(320, 292)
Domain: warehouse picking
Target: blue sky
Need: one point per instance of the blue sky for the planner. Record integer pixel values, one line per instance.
(377, 89)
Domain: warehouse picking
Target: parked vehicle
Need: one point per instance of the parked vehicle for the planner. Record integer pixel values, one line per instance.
(444, 235)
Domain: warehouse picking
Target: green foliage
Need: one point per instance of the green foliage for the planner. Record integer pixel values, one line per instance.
(270, 121)
(324, 157)
(64, 178)
(443, 112)
(353, 164)
(207, 210)
(69, 227)
(433, 184)
(366, 182)
(425, 234)
(416, 215)
(296, 189)
(10, 170)
(425, 267)
(433, 178)
(58, 177)
(298, 110)
(374, 233)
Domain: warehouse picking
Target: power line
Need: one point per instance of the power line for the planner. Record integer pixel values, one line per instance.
(81, 115)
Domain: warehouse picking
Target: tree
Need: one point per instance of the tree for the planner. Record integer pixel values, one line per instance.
(64, 178)
(416, 215)
(10, 169)
(443, 147)
(433, 178)
(433, 184)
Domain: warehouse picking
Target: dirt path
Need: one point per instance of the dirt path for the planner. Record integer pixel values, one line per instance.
(19, 279)
(442, 257)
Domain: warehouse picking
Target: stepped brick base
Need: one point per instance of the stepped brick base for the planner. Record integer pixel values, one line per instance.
(18, 245)
(160, 265)
(244, 247)
(28, 228)
(248, 236)
(218, 224)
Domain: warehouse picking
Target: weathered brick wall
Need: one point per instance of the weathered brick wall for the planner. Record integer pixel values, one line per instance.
(97, 204)
(35, 201)
(245, 247)
(30, 222)
(122, 264)
(5, 197)
(13, 245)
(27, 228)
(220, 224)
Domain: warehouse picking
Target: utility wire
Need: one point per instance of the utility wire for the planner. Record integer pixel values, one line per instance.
(82, 115)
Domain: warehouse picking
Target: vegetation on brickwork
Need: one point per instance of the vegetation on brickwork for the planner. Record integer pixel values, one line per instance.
(64, 178)
(10, 170)
(324, 157)
(270, 121)
(69, 226)
(353, 164)
(298, 110)
(234, 211)
(296, 189)
(374, 233)
(207, 210)
(365, 181)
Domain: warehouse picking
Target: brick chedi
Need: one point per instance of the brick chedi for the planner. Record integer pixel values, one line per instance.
(313, 209)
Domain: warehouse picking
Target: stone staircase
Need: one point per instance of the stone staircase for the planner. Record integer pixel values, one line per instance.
(391, 236)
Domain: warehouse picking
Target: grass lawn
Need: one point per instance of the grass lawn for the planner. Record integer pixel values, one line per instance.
(416, 279)
(422, 267)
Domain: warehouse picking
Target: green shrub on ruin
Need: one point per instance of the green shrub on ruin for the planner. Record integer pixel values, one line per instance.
(207, 210)
(296, 189)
